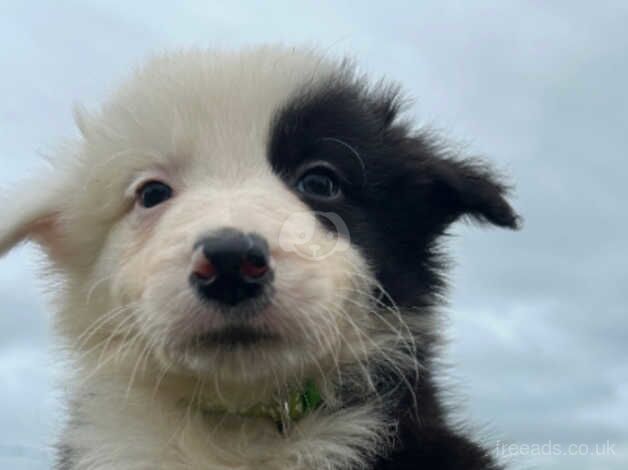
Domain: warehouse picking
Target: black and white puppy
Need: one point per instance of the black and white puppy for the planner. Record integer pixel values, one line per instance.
(244, 254)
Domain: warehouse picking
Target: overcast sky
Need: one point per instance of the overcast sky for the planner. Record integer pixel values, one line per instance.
(538, 327)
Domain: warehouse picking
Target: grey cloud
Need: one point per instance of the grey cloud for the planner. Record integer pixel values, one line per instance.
(537, 317)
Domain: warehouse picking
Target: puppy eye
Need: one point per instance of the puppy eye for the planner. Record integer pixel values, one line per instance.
(320, 182)
(153, 193)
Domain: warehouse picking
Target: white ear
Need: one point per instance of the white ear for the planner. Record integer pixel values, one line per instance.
(32, 213)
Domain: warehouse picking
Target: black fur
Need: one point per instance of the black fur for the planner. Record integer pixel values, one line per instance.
(401, 190)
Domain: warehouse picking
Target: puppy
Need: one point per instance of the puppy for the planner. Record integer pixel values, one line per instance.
(244, 250)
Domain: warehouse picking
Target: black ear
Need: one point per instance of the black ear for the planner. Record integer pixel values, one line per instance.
(469, 188)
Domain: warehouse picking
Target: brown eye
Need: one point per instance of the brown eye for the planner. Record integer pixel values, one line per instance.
(319, 182)
(153, 193)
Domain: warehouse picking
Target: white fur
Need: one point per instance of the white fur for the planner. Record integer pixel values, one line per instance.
(199, 121)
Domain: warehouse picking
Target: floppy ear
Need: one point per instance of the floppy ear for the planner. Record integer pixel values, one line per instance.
(32, 214)
(470, 188)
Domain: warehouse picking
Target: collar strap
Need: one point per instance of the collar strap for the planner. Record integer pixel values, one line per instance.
(284, 412)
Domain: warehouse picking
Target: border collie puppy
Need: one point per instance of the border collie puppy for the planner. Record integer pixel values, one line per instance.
(246, 265)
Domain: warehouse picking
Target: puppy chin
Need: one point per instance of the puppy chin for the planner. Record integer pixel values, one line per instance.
(236, 345)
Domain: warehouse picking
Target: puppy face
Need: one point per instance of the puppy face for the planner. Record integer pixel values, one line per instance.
(293, 319)
(250, 216)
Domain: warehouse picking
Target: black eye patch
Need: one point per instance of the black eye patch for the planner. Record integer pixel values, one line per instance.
(345, 157)
(342, 148)
(332, 126)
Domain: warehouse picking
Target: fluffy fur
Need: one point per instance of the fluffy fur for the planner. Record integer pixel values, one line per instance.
(357, 278)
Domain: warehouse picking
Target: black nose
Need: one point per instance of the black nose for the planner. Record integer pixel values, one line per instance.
(231, 266)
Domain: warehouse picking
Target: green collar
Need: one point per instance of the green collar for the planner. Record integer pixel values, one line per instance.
(283, 412)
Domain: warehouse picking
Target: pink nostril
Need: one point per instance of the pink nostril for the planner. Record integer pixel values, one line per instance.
(253, 270)
(204, 269)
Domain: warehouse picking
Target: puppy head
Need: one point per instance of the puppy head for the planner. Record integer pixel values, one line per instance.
(237, 217)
